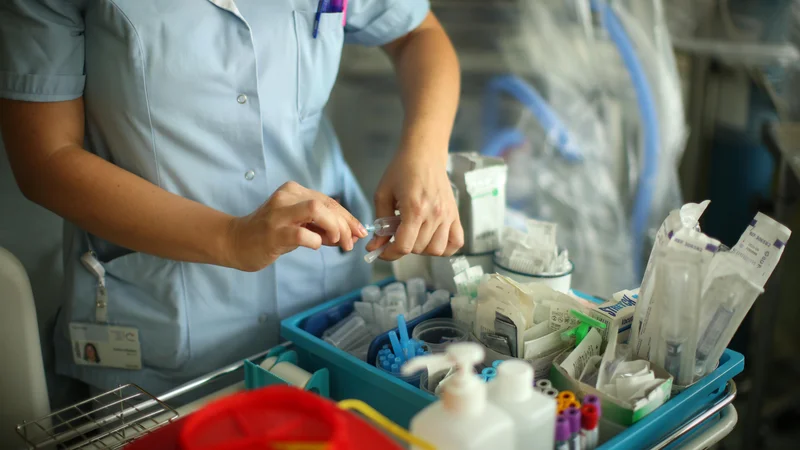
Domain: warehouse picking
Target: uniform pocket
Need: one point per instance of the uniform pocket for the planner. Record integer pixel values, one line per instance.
(148, 293)
(317, 59)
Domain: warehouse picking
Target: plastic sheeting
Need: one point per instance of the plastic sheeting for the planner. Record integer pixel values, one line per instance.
(601, 160)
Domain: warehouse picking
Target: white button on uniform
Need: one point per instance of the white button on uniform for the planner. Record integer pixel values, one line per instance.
(262, 318)
(242, 99)
(249, 175)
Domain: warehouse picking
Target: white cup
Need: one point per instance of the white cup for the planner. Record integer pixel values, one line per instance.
(560, 282)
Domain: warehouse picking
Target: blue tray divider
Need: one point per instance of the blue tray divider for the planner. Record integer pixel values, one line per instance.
(256, 376)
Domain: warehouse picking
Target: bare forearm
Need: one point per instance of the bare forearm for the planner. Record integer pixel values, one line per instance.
(120, 207)
(430, 81)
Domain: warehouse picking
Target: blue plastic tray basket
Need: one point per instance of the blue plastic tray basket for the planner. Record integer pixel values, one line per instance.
(350, 377)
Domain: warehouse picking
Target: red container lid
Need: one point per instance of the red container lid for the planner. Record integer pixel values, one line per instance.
(268, 418)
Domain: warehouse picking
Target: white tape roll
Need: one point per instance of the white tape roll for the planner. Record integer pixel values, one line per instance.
(269, 362)
(291, 374)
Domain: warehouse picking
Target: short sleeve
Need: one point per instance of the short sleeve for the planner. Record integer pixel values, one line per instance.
(41, 50)
(378, 22)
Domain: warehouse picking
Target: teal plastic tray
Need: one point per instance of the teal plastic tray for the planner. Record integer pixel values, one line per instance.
(349, 377)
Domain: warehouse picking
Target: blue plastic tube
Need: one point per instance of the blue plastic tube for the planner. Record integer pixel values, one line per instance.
(648, 115)
(495, 142)
(398, 349)
(402, 328)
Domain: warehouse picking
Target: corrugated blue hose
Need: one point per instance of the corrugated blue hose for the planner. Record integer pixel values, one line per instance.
(496, 141)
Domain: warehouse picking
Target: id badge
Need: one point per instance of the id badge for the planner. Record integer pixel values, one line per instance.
(105, 346)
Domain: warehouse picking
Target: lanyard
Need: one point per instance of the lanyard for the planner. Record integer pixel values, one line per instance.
(89, 260)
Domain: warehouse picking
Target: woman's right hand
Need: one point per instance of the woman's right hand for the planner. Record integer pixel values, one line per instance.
(292, 217)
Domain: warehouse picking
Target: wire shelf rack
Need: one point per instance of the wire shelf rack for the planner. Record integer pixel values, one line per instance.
(107, 421)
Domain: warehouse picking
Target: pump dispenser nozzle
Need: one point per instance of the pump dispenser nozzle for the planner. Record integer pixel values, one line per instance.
(464, 392)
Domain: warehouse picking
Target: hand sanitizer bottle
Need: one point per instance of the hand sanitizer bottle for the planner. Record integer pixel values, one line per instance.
(533, 413)
(463, 419)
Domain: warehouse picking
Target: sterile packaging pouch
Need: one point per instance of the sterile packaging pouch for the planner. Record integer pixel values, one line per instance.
(761, 246)
(553, 306)
(576, 360)
(481, 183)
(464, 310)
(591, 371)
(501, 314)
(678, 286)
(495, 285)
(546, 345)
(726, 301)
(617, 414)
(682, 222)
(617, 314)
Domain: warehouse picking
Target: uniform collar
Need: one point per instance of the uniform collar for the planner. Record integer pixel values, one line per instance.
(228, 5)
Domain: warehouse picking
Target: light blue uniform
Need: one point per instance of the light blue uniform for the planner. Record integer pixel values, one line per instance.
(219, 102)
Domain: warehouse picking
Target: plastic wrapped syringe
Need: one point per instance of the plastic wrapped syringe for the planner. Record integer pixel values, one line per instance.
(677, 287)
(726, 301)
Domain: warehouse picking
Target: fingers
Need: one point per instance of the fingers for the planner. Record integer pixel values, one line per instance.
(384, 207)
(351, 223)
(294, 236)
(438, 242)
(324, 215)
(405, 238)
(376, 242)
(455, 238)
(314, 211)
(426, 232)
(345, 233)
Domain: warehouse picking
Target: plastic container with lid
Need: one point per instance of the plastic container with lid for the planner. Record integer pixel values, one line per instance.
(533, 413)
(272, 417)
(463, 419)
(439, 333)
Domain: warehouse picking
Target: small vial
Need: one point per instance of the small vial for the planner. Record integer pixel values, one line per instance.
(440, 297)
(371, 294)
(384, 226)
(397, 286)
(416, 292)
(550, 392)
(672, 358)
(397, 299)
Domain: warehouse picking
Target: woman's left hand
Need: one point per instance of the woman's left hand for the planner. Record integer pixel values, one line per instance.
(419, 188)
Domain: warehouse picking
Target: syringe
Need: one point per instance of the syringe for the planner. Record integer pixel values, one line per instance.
(711, 336)
(384, 226)
(678, 288)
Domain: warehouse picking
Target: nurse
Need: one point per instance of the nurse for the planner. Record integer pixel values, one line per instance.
(204, 191)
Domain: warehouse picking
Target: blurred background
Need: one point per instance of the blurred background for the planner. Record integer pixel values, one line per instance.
(610, 114)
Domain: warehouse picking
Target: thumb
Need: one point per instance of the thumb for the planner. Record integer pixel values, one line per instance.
(384, 207)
